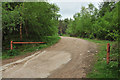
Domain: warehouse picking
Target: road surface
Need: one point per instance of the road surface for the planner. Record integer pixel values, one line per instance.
(69, 58)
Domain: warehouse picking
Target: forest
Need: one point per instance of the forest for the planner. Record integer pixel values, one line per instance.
(41, 22)
(26, 21)
(94, 23)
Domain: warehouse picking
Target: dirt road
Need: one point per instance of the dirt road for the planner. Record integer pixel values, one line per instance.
(69, 58)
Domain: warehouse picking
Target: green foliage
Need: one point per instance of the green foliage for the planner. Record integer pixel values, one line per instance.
(100, 68)
(96, 23)
(115, 52)
(12, 52)
(37, 21)
(41, 18)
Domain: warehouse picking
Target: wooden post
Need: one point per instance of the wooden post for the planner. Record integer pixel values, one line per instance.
(108, 53)
(11, 47)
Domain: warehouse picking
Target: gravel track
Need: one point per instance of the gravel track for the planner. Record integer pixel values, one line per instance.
(69, 58)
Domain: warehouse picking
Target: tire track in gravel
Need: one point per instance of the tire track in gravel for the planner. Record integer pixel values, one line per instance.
(69, 58)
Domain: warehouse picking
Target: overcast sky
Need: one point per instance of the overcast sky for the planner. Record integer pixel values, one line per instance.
(69, 8)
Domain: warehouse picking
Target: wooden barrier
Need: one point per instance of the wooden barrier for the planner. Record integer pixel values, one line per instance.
(22, 43)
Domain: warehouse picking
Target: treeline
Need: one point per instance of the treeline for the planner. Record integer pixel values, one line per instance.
(94, 23)
(28, 21)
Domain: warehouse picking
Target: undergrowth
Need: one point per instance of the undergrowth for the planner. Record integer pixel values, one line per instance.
(101, 69)
(22, 49)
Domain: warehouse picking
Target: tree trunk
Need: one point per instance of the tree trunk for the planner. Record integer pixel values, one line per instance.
(21, 31)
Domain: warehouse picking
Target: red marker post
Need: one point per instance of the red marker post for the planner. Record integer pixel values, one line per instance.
(108, 53)
(11, 45)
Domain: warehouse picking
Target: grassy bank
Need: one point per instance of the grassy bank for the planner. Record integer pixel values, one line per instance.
(101, 69)
(27, 48)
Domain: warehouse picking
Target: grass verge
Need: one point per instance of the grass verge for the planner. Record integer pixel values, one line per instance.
(27, 48)
(101, 69)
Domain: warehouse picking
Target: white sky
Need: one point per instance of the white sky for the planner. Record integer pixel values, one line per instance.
(69, 7)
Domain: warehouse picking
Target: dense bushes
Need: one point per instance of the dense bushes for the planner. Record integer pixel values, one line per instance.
(93, 23)
(36, 19)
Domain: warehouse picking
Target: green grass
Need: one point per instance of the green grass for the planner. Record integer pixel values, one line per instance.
(101, 69)
(27, 48)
